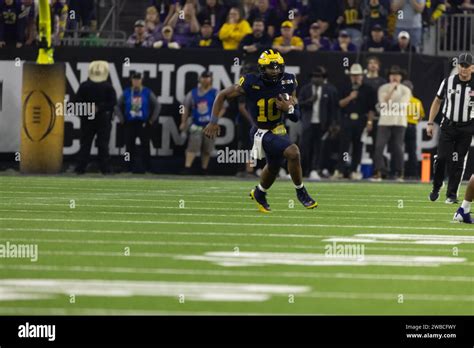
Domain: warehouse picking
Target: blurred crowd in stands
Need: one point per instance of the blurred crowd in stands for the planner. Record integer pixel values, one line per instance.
(19, 20)
(249, 25)
(312, 25)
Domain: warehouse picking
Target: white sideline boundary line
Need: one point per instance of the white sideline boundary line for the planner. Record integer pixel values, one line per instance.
(237, 224)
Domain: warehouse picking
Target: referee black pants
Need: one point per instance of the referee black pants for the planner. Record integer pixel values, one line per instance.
(453, 147)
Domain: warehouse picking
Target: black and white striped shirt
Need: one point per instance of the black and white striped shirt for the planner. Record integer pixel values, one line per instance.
(458, 98)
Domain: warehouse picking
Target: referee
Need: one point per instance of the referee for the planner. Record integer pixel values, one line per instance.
(457, 127)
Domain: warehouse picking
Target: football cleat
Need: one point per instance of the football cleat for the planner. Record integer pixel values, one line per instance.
(451, 200)
(305, 198)
(434, 195)
(261, 199)
(461, 216)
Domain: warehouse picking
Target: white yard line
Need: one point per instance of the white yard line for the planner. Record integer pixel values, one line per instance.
(147, 222)
(183, 195)
(208, 244)
(258, 216)
(236, 273)
(296, 210)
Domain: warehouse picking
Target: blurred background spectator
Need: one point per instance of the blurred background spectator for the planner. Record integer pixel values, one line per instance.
(375, 12)
(184, 24)
(152, 23)
(234, 29)
(137, 110)
(167, 39)
(212, 12)
(316, 42)
(415, 112)
(268, 14)
(198, 104)
(393, 98)
(99, 91)
(343, 43)
(403, 43)
(59, 19)
(352, 21)
(258, 40)
(206, 38)
(287, 41)
(29, 13)
(357, 105)
(377, 41)
(12, 26)
(140, 37)
(85, 17)
(318, 104)
(410, 19)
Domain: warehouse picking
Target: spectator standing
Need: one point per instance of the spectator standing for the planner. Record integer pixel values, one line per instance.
(344, 43)
(140, 37)
(415, 112)
(352, 21)
(206, 39)
(184, 24)
(377, 41)
(287, 41)
(328, 13)
(403, 43)
(258, 40)
(29, 13)
(12, 27)
(411, 21)
(84, 15)
(316, 42)
(137, 109)
(393, 100)
(152, 23)
(234, 30)
(268, 14)
(374, 80)
(318, 104)
(357, 113)
(59, 19)
(198, 104)
(375, 12)
(212, 12)
(98, 91)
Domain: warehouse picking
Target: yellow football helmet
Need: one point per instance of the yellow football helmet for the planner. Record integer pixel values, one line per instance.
(273, 59)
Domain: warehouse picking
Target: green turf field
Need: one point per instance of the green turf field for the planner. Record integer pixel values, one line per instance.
(154, 245)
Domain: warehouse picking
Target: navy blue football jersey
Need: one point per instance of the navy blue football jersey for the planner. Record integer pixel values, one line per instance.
(261, 98)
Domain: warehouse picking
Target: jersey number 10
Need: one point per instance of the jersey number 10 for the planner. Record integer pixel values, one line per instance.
(267, 110)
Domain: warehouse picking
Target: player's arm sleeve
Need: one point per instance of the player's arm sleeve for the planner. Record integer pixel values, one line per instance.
(245, 83)
(442, 90)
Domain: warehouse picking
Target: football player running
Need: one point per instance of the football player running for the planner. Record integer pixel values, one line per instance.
(270, 95)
